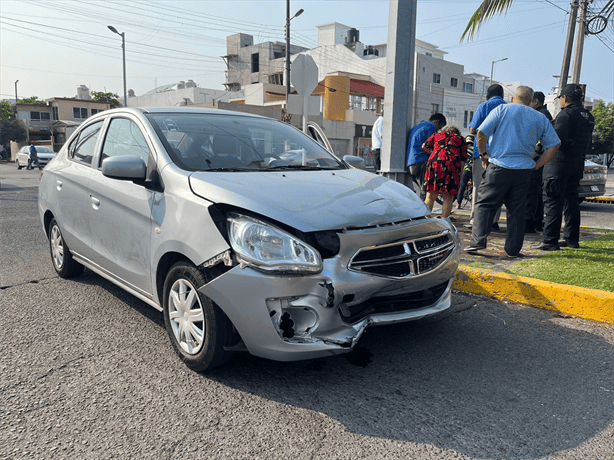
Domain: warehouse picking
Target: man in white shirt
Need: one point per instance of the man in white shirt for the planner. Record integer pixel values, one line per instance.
(376, 141)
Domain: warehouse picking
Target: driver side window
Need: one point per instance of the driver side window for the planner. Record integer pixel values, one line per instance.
(82, 148)
(123, 138)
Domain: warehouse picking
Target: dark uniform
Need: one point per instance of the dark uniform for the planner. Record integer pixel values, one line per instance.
(574, 126)
(534, 217)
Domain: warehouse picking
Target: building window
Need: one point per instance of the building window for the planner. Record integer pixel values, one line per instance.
(255, 62)
(55, 113)
(94, 111)
(467, 87)
(470, 115)
(40, 116)
(436, 78)
(454, 82)
(79, 112)
(465, 121)
(434, 108)
(429, 54)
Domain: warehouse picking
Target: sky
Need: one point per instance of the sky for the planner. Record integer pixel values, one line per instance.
(54, 46)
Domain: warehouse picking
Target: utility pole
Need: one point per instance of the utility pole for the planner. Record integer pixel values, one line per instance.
(581, 28)
(399, 89)
(287, 72)
(568, 44)
(17, 81)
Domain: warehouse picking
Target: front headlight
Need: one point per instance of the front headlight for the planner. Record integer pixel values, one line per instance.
(269, 248)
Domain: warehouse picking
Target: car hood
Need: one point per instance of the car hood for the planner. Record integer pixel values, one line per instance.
(313, 200)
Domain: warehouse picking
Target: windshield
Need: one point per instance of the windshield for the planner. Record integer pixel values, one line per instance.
(220, 142)
(43, 150)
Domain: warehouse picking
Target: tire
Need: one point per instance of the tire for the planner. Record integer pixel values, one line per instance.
(18, 165)
(198, 329)
(64, 264)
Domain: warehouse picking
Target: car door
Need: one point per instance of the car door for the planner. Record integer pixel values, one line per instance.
(71, 183)
(317, 134)
(120, 210)
(22, 156)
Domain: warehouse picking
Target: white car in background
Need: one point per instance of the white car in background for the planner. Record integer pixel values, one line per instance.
(44, 154)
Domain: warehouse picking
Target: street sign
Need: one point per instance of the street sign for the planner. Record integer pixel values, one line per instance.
(304, 77)
(304, 74)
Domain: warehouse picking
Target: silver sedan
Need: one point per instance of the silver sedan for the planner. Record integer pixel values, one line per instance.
(247, 234)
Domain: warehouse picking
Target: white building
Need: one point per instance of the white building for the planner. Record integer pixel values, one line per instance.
(178, 94)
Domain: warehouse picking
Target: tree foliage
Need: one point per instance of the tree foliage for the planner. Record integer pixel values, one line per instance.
(603, 135)
(486, 10)
(31, 100)
(111, 98)
(10, 128)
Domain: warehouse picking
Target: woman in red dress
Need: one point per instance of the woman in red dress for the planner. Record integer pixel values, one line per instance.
(447, 151)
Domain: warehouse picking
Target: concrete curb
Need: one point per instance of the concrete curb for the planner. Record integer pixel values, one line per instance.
(571, 300)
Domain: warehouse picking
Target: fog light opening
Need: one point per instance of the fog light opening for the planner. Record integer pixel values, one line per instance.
(286, 325)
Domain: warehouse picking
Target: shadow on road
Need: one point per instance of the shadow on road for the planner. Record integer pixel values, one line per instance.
(483, 388)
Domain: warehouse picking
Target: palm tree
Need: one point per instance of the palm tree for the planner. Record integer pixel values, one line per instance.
(485, 11)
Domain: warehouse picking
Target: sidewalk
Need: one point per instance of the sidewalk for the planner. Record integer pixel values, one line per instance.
(483, 273)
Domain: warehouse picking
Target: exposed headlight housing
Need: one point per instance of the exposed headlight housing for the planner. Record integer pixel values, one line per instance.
(266, 247)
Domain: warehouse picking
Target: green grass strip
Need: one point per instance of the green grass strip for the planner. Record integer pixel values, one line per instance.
(591, 266)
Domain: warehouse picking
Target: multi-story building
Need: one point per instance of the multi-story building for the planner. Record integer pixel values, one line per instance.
(261, 63)
(352, 77)
(52, 122)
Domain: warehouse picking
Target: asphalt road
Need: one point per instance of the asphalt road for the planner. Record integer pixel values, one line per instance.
(87, 371)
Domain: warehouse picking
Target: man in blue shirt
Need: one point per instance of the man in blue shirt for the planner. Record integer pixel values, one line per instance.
(33, 157)
(494, 98)
(506, 141)
(416, 156)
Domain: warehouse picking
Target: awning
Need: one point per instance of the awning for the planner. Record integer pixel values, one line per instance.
(357, 88)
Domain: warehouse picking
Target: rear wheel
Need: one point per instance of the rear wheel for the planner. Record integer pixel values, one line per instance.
(199, 330)
(64, 264)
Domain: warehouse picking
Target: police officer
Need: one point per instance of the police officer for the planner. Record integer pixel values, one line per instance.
(574, 126)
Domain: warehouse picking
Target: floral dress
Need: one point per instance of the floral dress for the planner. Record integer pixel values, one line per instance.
(443, 170)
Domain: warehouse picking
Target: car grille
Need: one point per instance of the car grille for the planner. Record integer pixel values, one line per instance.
(394, 304)
(404, 258)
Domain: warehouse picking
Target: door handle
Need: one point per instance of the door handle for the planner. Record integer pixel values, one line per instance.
(95, 202)
(58, 184)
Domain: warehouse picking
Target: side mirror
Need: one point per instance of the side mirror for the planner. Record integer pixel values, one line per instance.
(128, 167)
(354, 162)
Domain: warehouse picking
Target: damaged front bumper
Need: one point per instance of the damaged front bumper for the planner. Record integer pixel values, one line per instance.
(381, 275)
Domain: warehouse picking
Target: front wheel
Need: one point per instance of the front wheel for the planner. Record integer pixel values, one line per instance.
(18, 165)
(199, 330)
(64, 264)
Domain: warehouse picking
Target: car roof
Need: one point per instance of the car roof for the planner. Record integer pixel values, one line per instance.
(201, 110)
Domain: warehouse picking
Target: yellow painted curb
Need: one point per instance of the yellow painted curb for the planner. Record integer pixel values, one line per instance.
(571, 300)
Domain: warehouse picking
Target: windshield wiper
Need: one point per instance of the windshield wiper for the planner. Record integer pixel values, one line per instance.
(230, 169)
(305, 167)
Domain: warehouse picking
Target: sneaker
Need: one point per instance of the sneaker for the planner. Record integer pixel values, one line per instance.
(546, 247)
(471, 248)
(517, 256)
(568, 244)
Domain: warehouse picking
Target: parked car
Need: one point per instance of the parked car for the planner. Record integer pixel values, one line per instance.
(44, 154)
(594, 180)
(246, 233)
